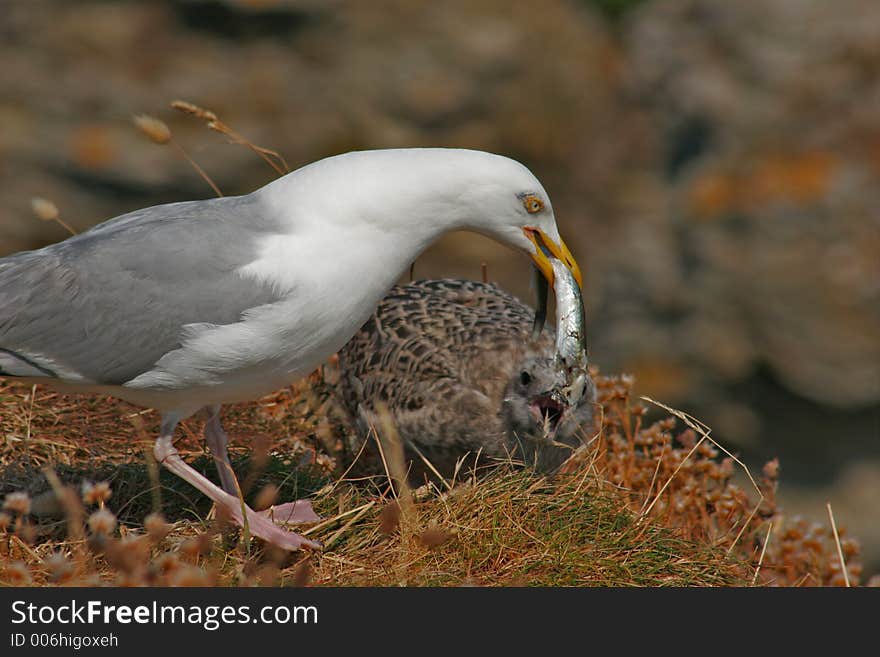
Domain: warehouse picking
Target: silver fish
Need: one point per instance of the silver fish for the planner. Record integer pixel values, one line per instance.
(571, 342)
(540, 302)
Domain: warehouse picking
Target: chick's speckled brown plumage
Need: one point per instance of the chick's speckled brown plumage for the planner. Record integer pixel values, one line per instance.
(456, 366)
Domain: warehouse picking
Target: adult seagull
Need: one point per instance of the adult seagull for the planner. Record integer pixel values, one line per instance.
(189, 305)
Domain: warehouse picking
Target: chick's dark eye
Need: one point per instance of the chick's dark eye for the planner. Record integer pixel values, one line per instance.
(525, 378)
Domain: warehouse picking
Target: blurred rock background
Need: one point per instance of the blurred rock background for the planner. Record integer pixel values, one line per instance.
(715, 167)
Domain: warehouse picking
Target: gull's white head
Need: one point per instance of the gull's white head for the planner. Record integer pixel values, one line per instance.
(502, 199)
(416, 194)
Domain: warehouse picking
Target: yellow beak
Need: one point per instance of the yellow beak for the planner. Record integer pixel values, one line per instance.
(545, 248)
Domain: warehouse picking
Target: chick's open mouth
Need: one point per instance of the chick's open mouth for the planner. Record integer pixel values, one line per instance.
(548, 410)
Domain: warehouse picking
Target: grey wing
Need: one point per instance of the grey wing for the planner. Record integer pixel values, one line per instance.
(104, 306)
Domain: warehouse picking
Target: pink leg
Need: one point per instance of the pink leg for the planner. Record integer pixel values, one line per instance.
(287, 513)
(258, 524)
(292, 513)
(217, 441)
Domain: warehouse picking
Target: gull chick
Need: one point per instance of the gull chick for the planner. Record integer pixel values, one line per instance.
(464, 381)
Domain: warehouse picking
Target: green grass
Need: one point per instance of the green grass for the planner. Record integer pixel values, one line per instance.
(513, 528)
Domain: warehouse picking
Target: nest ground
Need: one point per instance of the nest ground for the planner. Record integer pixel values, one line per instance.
(644, 502)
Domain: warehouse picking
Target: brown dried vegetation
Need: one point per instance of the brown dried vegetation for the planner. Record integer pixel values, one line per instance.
(643, 503)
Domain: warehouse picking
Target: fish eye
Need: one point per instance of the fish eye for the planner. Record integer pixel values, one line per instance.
(525, 378)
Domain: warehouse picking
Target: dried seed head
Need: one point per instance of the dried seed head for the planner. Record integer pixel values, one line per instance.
(771, 469)
(58, 566)
(155, 129)
(130, 554)
(389, 518)
(167, 562)
(433, 537)
(102, 521)
(27, 532)
(302, 574)
(44, 209)
(19, 502)
(838, 580)
(195, 110)
(850, 547)
(199, 545)
(267, 575)
(726, 468)
(96, 493)
(249, 568)
(267, 496)
(17, 574)
(222, 520)
(156, 527)
(326, 461)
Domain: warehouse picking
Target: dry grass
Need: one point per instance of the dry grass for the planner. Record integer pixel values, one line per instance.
(159, 133)
(46, 210)
(642, 504)
(270, 157)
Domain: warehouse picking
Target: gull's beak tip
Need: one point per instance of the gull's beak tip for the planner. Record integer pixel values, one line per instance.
(546, 248)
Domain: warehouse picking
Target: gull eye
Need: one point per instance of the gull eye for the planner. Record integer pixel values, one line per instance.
(525, 378)
(532, 203)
